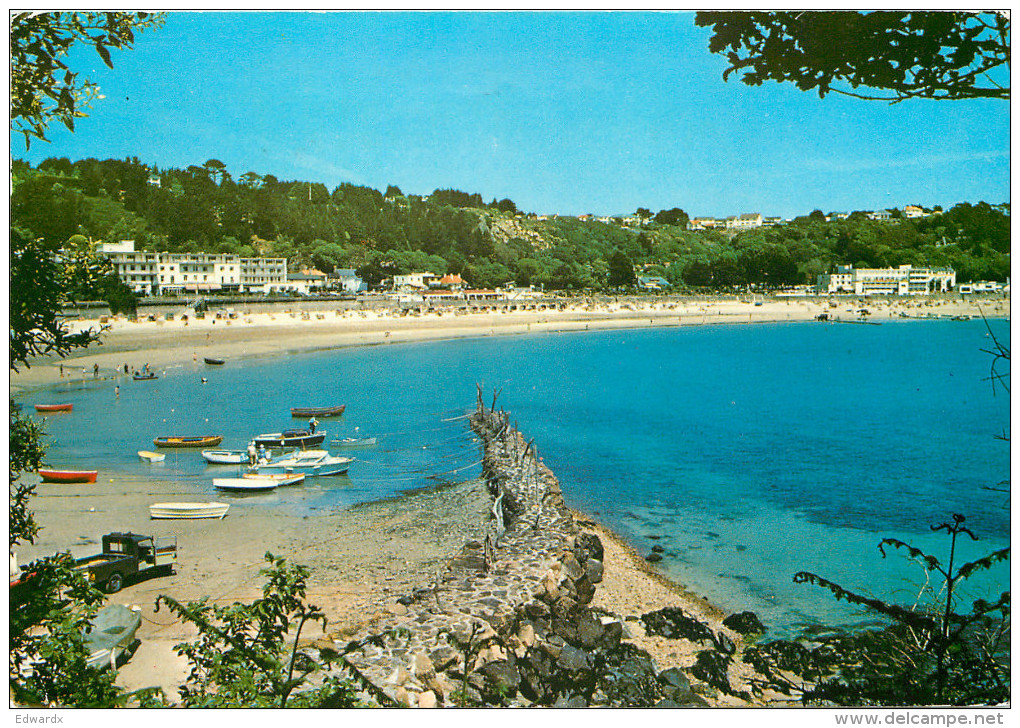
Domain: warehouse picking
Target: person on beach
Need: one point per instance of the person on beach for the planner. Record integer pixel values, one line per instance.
(125, 368)
(312, 424)
(116, 390)
(61, 370)
(263, 459)
(252, 453)
(95, 371)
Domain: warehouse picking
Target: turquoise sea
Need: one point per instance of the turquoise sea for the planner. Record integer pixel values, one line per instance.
(751, 451)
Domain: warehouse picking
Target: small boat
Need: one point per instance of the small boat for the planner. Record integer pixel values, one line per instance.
(188, 510)
(290, 438)
(225, 457)
(109, 634)
(145, 377)
(213, 362)
(318, 411)
(355, 442)
(309, 462)
(152, 457)
(197, 441)
(68, 476)
(245, 484)
(54, 407)
(280, 478)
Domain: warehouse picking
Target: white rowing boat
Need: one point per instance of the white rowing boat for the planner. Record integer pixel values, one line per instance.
(152, 457)
(188, 510)
(249, 485)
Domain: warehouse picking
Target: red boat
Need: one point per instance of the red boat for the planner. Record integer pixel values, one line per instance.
(53, 407)
(68, 476)
(318, 411)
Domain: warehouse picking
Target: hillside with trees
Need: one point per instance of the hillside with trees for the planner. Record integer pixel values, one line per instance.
(206, 208)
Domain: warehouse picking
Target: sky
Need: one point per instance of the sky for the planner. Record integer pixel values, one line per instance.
(567, 113)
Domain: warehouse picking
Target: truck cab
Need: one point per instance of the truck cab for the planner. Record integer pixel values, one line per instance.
(127, 554)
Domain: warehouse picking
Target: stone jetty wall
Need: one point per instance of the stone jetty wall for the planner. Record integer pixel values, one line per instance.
(508, 623)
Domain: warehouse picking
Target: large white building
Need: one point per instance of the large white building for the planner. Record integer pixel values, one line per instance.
(904, 280)
(157, 273)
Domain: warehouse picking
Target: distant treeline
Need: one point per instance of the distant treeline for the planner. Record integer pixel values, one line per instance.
(206, 209)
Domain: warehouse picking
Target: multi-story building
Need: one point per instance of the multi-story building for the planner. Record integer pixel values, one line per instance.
(413, 280)
(902, 281)
(744, 222)
(160, 273)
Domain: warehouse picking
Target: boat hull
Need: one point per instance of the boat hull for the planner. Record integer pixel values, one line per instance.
(278, 439)
(201, 441)
(188, 510)
(249, 485)
(281, 479)
(112, 632)
(152, 457)
(317, 411)
(355, 442)
(225, 457)
(54, 407)
(68, 476)
(213, 362)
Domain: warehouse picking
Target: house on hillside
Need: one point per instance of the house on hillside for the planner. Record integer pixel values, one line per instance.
(881, 215)
(452, 281)
(306, 281)
(912, 211)
(414, 280)
(705, 223)
(745, 221)
(652, 283)
(347, 280)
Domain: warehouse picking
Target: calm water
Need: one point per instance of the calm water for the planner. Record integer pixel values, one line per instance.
(753, 452)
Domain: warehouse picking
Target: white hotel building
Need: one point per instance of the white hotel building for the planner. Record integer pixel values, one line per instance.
(158, 273)
(902, 281)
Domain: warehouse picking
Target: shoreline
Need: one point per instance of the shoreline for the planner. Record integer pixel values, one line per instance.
(162, 344)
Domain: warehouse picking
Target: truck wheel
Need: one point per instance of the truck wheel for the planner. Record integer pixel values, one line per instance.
(114, 583)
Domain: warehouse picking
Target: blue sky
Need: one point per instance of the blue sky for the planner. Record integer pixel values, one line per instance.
(561, 112)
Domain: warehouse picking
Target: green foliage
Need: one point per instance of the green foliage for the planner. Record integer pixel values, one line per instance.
(934, 55)
(931, 654)
(43, 88)
(241, 657)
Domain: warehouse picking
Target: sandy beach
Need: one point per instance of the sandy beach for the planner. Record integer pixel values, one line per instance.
(164, 343)
(364, 558)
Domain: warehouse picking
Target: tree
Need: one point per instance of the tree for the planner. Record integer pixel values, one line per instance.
(621, 270)
(43, 88)
(933, 55)
(675, 216)
(393, 191)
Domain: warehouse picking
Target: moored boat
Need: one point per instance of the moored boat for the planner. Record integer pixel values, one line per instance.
(214, 362)
(197, 441)
(144, 377)
(188, 510)
(355, 442)
(53, 407)
(225, 457)
(246, 484)
(309, 462)
(152, 457)
(318, 411)
(280, 478)
(68, 476)
(290, 438)
(109, 634)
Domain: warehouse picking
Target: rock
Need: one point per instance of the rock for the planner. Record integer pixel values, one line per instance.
(744, 623)
(570, 701)
(589, 630)
(444, 657)
(585, 590)
(565, 607)
(612, 633)
(423, 667)
(572, 659)
(671, 622)
(653, 557)
(550, 588)
(658, 549)
(427, 699)
(591, 544)
(565, 628)
(628, 679)
(570, 568)
(396, 609)
(526, 634)
(594, 570)
(501, 680)
(675, 678)
(723, 643)
(712, 667)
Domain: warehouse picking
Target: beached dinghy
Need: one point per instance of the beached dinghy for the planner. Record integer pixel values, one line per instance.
(213, 362)
(225, 457)
(197, 441)
(145, 377)
(68, 476)
(318, 411)
(188, 510)
(290, 438)
(152, 457)
(109, 634)
(280, 478)
(247, 485)
(54, 407)
(309, 462)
